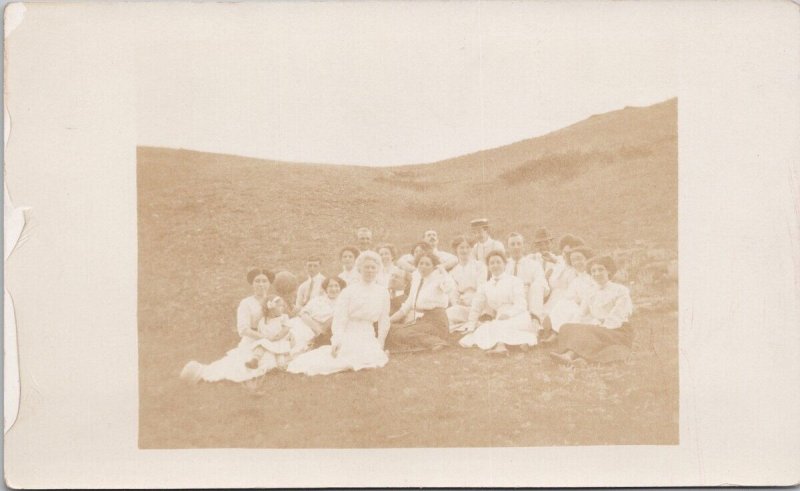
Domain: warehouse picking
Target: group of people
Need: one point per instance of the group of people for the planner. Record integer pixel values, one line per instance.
(485, 294)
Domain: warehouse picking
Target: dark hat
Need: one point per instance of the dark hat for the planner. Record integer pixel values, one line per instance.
(541, 235)
(587, 253)
(253, 272)
(479, 222)
(570, 240)
(606, 261)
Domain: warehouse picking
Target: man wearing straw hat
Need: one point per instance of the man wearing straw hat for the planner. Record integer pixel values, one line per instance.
(484, 243)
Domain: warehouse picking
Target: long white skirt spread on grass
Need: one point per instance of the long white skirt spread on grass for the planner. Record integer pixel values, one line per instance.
(358, 349)
(232, 365)
(513, 331)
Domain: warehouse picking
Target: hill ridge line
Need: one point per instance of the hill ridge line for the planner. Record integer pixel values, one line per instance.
(617, 112)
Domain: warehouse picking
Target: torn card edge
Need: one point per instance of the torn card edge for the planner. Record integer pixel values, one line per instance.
(13, 226)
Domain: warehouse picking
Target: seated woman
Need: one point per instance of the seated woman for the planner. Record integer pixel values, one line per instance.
(388, 253)
(248, 315)
(501, 302)
(600, 331)
(354, 345)
(569, 305)
(560, 275)
(421, 322)
(313, 324)
(347, 256)
(468, 275)
(407, 261)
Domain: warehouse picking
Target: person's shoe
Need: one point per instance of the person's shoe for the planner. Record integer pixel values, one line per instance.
(252, 364)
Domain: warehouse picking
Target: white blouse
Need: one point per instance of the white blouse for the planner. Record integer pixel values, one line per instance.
(427, 293)
(359, 304)
(504, 294)
(467, 277)
(248, 314)
(304, 295)
(481, 249)
(319, 308)
(527, 269)
(385, 274)
(579, 287)
(350, 277)
(609, 306)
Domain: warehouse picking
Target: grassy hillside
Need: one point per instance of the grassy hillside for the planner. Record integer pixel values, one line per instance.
(204, 218)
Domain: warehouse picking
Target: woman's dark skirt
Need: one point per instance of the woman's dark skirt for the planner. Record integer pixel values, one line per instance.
(595, 343)
(427, 332)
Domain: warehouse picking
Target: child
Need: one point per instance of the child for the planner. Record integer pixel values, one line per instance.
(277, 338)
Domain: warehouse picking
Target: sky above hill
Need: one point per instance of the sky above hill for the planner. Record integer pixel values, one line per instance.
(388, 83)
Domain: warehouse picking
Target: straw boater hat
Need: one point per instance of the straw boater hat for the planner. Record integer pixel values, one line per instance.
(541, 235)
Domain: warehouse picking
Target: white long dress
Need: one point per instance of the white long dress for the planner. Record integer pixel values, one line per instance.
(358, 307)
(232, 366)
(503, 295)
(569, 305)
(468, 279)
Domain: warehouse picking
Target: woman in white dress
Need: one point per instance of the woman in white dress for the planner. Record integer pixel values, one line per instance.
(600, 331)
(468, 275)
(501, 302)
(354, 345)
(388, 253)
(559, 274)
(248, 315)
(313, 324)
(565, 309)
(347, 256)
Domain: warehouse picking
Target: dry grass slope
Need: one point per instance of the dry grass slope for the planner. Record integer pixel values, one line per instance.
(204, 218)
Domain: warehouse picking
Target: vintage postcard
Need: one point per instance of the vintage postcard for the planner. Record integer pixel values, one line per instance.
(463, 243)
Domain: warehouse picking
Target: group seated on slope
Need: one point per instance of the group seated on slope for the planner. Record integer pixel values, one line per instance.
(485, 294)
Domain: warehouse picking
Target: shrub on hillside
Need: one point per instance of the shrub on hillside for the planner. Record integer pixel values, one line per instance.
(559, 166)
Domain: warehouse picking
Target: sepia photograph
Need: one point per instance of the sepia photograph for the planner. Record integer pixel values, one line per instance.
(401, 244)
(464, 238)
